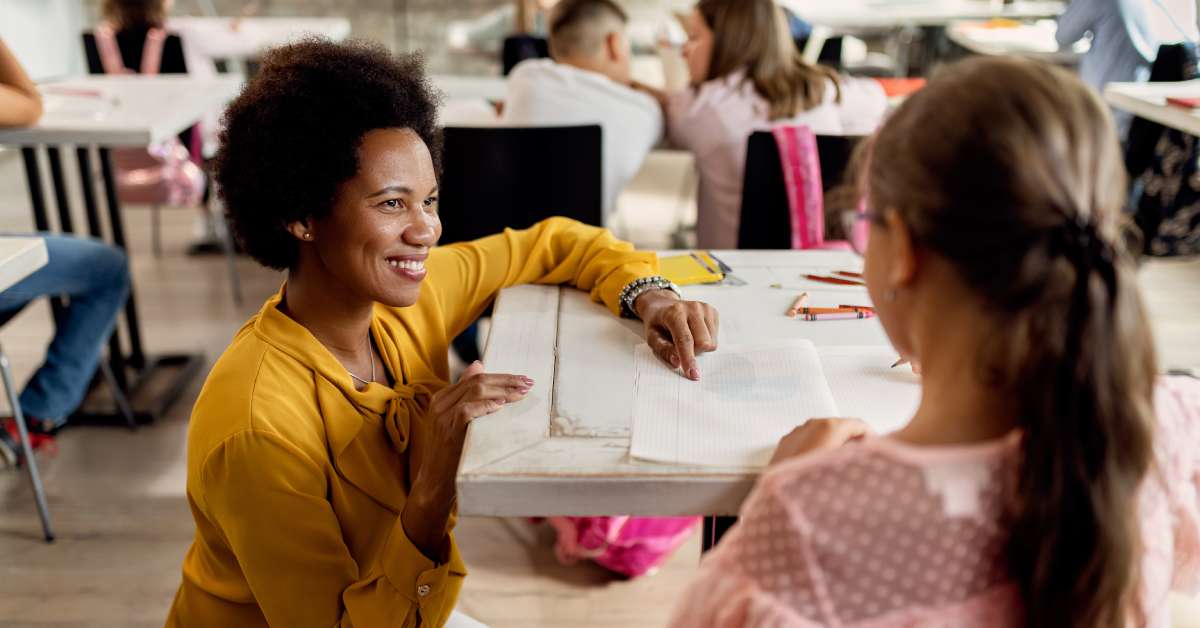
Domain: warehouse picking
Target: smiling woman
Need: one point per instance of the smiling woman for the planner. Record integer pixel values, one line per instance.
(323, 448)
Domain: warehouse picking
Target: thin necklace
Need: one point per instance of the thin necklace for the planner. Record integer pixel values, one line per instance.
(370, 356)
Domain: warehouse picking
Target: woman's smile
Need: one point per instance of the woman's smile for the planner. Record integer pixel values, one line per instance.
(410, 267)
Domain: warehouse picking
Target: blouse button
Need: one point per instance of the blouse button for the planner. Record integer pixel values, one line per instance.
(423, 590)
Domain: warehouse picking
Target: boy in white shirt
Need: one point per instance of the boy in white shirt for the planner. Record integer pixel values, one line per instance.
(588, 82)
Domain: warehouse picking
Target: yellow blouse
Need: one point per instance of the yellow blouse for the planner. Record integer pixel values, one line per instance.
(296, 479)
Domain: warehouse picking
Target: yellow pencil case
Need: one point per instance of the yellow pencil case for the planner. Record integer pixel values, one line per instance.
(692, 268)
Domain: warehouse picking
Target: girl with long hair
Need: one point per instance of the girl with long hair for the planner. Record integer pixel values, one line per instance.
(746, 75)
(1047, 478)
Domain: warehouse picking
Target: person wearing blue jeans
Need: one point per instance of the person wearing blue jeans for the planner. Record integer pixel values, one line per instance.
(94, 278)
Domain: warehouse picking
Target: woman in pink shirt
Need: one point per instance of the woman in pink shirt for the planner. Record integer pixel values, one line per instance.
(1048, 478)
(746, 74)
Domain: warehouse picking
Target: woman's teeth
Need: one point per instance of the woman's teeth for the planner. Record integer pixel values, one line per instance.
(407, 265)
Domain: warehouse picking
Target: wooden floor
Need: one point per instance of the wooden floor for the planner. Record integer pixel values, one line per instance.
(117, 497)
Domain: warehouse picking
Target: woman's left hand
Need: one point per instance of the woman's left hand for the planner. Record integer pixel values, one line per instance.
(678, 330)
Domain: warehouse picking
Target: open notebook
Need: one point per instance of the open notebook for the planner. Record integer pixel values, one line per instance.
(749, 396)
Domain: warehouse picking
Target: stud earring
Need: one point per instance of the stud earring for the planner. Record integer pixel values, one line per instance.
(307, 235)
(890, 295)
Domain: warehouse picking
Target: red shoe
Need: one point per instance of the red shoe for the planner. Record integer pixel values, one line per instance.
(39, 441)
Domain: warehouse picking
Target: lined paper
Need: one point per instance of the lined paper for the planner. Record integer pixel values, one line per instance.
(747, 398)
(750, 396)
(865, 387)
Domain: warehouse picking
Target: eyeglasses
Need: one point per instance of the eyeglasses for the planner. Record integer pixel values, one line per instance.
(856, 225)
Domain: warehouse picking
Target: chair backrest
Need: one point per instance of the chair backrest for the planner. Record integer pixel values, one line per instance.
(131, 44)
(518, 48)
(766, 216)
(499, 177)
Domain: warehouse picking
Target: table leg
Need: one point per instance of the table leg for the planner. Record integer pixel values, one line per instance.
(83, 156)
(65, 222)
(33, 176)
(715, 527)
(41, 219)
(137, 357)
(116, 356)
(186, 365)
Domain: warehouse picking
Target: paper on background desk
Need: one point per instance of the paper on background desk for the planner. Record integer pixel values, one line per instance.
(749, 396)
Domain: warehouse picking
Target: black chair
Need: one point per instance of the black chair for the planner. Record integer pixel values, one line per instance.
(499, 177)
(766, 221)
(518, 48)
(130, 42)
(494, 178)
(830, 55)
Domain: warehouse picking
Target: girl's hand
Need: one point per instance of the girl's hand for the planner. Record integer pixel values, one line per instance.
(678, 330)
(818, 435)
(451, 410)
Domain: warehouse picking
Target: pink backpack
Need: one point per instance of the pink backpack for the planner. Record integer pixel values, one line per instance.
(802, 175)
(164, 173)
(631, 546)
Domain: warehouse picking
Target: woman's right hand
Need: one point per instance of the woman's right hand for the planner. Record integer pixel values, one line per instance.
(451, 410)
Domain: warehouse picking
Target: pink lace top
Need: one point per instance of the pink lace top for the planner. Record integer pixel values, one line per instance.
(882, 533)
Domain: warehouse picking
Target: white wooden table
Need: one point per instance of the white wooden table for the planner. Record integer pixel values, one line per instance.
(99, 113)
(20, 257)
(874, 14)
(1036, 40)
(565, 449)
(1149, 100)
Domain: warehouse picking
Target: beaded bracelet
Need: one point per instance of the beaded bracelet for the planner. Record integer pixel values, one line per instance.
(641, 286)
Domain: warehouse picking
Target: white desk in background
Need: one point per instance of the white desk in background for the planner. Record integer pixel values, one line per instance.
(92, 115)
(1149, 101)
(565, 450)
(458, 87)
(114, 111)
(215, 37)
(877, 14)
(1034, 40)
(648, 69)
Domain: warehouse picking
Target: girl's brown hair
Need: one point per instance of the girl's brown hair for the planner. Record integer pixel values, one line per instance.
(124, 14)
(753, 35)
(1010, 169)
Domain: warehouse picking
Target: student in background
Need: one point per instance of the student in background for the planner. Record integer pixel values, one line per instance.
(1126, 35)
(132, 37)
(1045, 479)
(588, 82)
(746, 74)
(93, 276)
